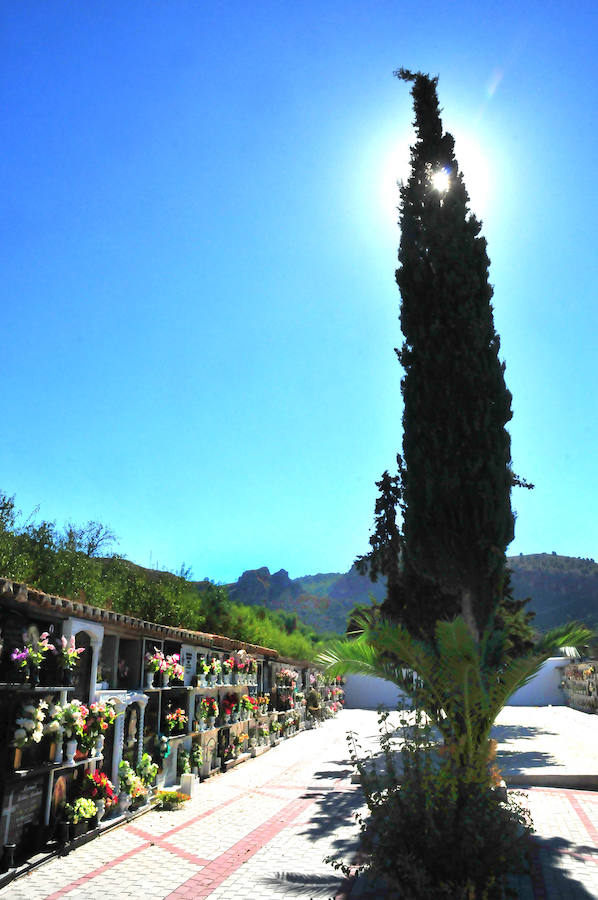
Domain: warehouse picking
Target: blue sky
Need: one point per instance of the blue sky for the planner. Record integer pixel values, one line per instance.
(198, 249)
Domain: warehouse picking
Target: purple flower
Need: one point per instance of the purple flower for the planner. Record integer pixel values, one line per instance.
(19, 655)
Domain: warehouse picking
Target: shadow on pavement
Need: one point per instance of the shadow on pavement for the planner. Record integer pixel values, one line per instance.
(517, 761)
(296, 884)
(516, 732)
(549, 855)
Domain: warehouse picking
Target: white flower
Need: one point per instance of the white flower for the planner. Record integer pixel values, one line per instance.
(36, 737)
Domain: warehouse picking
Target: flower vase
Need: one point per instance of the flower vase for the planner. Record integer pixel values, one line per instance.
(71, 749)
(99, 746)
(235, 718)
(149, 680)
(100, 809)
(34, 676)
(227, 718)
(201, 679)
(165, 679)
(234, 678)
(211, 721)
(226, 679)
(124, 801)
(67, 677)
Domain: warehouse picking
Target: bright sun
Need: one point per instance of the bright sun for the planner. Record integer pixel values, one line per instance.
(474, 163)
(441, 181)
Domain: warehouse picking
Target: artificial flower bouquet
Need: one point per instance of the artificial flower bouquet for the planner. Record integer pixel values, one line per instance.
(33, 653)
(287, 678)
(263, 701)
(228, 665)
(100, 717)
(177, 720)
(98, 786)
(214, 668)
(73, 718)
(174, 668)
(209, 708)
(130, 782)
(183, 763)
(68, 655)
(155, 662)
(147, 769)
(82, 808)
(274, 727)
(196, 756)
(30, 724)
(263, 732)
(249, 704)
(230, 704)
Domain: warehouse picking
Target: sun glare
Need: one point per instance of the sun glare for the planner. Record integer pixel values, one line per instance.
(441, 181)
(474, 162)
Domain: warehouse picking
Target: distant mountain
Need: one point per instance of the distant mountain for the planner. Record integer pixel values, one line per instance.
(561, 588)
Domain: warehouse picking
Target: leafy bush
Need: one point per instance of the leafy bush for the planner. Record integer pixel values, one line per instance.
(430, 831)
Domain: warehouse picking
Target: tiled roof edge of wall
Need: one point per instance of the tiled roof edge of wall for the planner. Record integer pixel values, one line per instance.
(65, 608)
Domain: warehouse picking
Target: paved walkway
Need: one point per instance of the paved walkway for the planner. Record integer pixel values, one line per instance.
(263, 829)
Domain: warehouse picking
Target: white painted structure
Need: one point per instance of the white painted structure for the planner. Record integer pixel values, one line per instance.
(545, 689)
(367, 692)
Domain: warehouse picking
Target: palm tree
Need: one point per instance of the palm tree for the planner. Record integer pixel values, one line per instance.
(461, 684)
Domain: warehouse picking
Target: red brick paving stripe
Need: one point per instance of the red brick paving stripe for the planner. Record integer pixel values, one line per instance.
(215, 873)
(95, 872)
(165, 845)
(584, 819)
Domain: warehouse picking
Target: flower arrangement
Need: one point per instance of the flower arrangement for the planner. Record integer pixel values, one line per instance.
(251, 666)
(68, 655)
(230, 751)
(287, 678)
(240, 664)
(228, 665)
(155, 662)
(209, 708)
(214, 667)
(240, 739)
(33, 653)
(100, 716)
(183, 763)
(263, 701)
(196, 756)
(30, 724)
(203, 667)
(97, 786)
(170, 799)
(174, 668)
(147, 769)
(82, 808)
(73, 718)
(230, 704)
(263, 731)
(130, 782)
(249, 704)
(274, 726)
(177, 720)
(53, 723)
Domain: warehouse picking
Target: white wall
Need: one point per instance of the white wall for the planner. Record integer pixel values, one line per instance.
(544, 689)
(366, 692)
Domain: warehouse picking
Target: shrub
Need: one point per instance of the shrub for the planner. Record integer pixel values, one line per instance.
(436, 831)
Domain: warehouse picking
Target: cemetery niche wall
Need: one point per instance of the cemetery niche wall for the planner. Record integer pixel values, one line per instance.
(99, 706)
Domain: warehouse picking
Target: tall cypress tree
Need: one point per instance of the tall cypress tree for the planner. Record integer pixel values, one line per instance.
(457, 477)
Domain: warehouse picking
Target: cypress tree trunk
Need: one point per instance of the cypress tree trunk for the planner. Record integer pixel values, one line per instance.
(456, 449)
